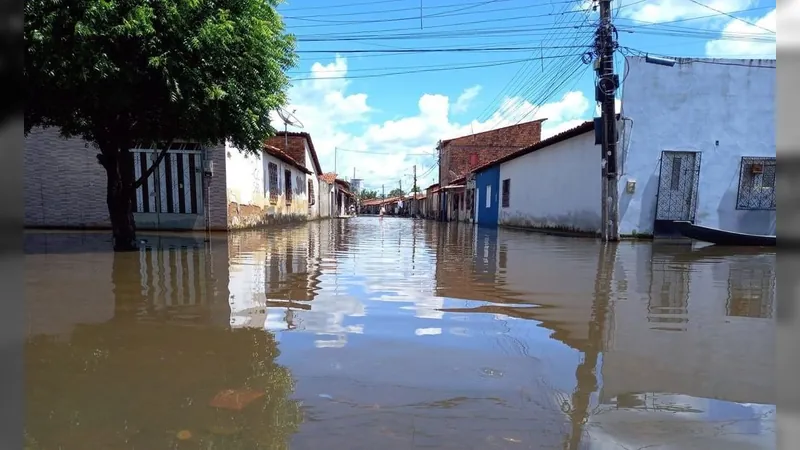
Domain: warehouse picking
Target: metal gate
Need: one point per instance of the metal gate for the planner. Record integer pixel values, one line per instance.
(176, 186)
(677, 186)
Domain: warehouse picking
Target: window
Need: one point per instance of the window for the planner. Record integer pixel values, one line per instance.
(506, 192)
(287, 178)
(756, 184)
(489, 196)
(311, 199)
(272, 168)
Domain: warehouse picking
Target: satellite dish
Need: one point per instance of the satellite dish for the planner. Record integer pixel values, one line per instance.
(289, 118)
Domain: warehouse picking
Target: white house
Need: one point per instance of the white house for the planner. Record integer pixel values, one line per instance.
(300, 147)
(696, 142)
(271, 187)
(554, 184)
(701, 145)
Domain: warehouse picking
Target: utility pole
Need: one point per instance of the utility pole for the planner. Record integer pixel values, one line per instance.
(607, 84)
(335, 150)
(401, 185)
(414, 189)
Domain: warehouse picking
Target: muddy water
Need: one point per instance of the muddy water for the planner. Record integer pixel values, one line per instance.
(396, 334)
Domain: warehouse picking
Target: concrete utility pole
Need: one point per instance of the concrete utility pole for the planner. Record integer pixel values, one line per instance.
(608, 82)
(414, 189)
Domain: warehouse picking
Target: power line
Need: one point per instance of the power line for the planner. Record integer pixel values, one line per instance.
(512, 83)
(382, 153)
(454, 13)
(442, 50)
(426, 66)
(519, 30)
(731, 16)
(345, 5)
(441, 69)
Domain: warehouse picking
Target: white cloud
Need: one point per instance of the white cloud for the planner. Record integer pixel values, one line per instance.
(744, 48)
(465, 99)
(667, 10)
(330, 112)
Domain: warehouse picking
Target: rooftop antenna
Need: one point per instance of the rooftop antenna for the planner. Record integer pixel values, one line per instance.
(288, 118)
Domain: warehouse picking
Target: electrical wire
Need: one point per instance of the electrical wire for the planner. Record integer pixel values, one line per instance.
(514, 83)
(406, 72)
(404, 19)
(443, 50)
(541, 90)
(731, 16)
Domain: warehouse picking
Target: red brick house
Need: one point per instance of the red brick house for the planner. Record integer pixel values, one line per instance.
(459, 156)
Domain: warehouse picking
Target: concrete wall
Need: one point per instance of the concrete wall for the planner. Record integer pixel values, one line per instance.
(723, 110)
(247, 183)
(324, 199)
(674, 329)
(313, 210)
(65, 187)
(557, 187)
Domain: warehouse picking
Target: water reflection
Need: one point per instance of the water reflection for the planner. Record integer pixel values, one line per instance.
(399, 334)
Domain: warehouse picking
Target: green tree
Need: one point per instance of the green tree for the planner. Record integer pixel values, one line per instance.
(396, 192)
(367, 195)
(416, 189)
(118, 73)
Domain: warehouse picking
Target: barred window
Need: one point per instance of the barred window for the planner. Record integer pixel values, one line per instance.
(756, 183)
(506, 192)
(287, 178)
(272, 168)
(311, 199)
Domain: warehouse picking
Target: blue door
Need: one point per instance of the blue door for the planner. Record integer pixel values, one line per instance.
(487, 185)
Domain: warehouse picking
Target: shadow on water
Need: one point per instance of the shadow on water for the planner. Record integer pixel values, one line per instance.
(398, 334)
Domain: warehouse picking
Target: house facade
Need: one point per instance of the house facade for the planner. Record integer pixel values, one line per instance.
(193, 188)
(459, 156)
(703, 147)
(300, 147)
(552, 185)
(703, 151)
(268, 188)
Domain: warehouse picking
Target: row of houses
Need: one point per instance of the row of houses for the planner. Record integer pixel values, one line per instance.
(696, 143)
(193, 188)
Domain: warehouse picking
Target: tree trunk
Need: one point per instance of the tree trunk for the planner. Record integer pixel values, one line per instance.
(118, 163)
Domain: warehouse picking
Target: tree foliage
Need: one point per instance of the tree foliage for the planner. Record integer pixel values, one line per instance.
(367, 195)
(118, 73)
(154, 70)
(396, 192)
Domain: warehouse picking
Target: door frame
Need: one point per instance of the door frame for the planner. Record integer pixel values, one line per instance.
(663, 220)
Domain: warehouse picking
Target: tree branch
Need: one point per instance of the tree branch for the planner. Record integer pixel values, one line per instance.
(152, 168)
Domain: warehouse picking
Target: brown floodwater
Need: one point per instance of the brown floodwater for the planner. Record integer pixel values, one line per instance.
(396, 334)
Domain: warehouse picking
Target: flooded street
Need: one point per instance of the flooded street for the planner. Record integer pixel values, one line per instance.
(396, 334)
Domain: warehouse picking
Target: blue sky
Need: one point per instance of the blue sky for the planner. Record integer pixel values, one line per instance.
(383, 85)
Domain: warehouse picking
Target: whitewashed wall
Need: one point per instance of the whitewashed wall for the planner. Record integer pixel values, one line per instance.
(313, 210)
(557, 187)
(724, 110)
(247, 183)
